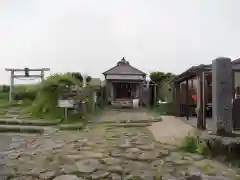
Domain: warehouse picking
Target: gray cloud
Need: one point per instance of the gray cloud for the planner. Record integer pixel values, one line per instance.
(91, 36)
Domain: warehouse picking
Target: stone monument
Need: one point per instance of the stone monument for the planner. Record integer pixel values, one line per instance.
(222, 95)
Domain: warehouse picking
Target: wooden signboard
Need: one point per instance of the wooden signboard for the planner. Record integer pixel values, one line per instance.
(66, 103)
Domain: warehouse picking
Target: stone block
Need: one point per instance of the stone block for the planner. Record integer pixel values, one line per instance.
(222, 95)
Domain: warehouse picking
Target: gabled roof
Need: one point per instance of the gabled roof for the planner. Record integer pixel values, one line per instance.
(123, 68)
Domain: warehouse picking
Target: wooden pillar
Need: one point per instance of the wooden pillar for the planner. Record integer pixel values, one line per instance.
(42, 75)
(204, 103)
(155, 94)
(200, 101)
(236, 89)
(11, 86)
(191, 83)
(177, 99)
(187, 100)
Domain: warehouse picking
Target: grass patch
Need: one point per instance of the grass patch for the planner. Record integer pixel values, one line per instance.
(192, 144)
(162, 109)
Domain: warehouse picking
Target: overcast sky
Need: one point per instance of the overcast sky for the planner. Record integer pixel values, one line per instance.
(92, 35)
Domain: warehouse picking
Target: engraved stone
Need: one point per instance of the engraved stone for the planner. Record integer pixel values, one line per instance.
(222, 95)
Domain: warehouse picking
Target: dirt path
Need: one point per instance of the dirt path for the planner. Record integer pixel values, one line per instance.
(118, 115)
(171, 130)
(105, 152)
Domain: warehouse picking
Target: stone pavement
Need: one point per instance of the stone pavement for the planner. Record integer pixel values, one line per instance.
(105, 152)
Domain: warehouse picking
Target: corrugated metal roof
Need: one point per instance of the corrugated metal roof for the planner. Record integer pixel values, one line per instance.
(124, 77)
(123, 67)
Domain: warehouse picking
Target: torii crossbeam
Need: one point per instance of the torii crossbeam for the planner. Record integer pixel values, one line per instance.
(25, 75)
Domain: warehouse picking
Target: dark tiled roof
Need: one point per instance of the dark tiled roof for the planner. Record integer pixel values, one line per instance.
(237, 61)
(123, 67)
(208, 67)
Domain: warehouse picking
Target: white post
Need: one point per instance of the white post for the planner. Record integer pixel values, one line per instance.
(42, 75)
(65, 113)
(84, 79)
(11, 86)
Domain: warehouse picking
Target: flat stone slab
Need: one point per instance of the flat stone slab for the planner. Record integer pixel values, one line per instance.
(150, 120)
(67, 177)
(129, 124)
(21, 129)
(88, 165)
(70, 127)
(28, 122)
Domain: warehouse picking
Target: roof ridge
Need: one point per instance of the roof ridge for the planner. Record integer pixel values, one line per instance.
(124, 63)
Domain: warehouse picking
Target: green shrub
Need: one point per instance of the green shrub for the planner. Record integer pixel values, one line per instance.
(4, 96)
(45, 104)
(5, 88)
(192, 144)
(25, 92)
(164, 108)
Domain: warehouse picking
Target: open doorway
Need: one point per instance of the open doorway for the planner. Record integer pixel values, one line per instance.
(124, 90)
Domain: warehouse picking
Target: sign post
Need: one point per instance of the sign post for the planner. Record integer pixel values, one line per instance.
(67, 103)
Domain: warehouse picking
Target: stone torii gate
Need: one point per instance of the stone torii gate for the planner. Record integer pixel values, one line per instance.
(25, 75)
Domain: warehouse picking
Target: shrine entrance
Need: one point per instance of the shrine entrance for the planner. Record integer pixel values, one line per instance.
(124, 90)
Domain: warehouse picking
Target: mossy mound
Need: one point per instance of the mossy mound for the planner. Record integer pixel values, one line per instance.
(49, 92)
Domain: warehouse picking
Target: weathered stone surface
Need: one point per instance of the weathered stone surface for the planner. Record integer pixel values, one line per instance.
(110, 161)
(194, 177)
(115, 169)
(147, 156)
(67, 177)
(115, 177)
(47, 175)
(99, 175)
(146, 147)
(162, 153)
(174, 157)
(90, 154)
(125, 144)
(88, 165)
(131, 152)
(75, 157)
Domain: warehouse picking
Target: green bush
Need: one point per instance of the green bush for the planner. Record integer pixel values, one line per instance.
(192, 144)
(50, 90)
(5, 88)
(164, 108)
(25, 92)
(4, 96)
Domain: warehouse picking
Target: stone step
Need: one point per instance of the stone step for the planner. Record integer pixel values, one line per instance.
(13, 112)
(28, 122)
(70, 127)
(129, 125)
(9, 116)
(21, 129)
(153, 120)
(122, 103)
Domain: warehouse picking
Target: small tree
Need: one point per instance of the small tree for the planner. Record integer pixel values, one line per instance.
(88, 79)
(77, 76)
(162, 79)
(157, 77)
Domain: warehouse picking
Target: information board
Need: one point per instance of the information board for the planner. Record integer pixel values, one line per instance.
(66, 103)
